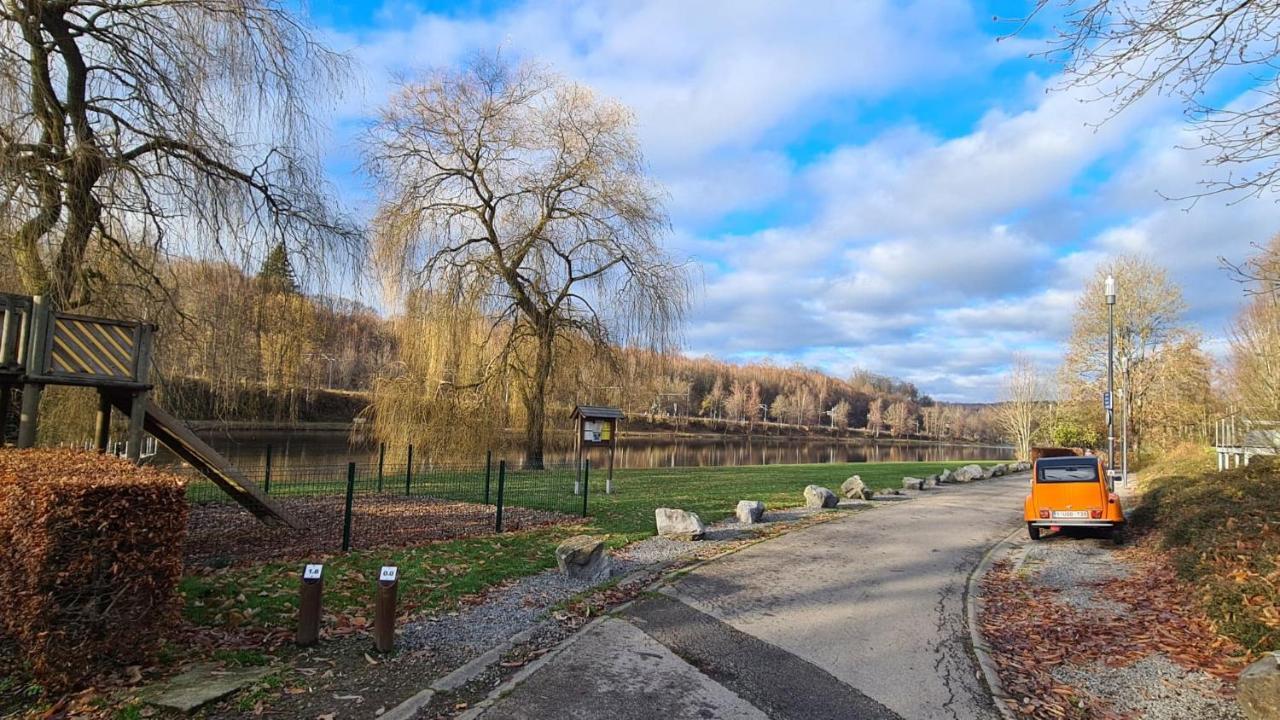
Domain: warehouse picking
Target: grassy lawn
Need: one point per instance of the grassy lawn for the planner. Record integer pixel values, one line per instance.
(713, 492)
(439, 576)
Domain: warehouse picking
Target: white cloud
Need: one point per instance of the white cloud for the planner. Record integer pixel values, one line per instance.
(924, 256)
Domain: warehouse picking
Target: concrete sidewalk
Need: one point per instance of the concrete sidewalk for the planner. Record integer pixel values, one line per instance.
(862, 617)
(616, 671)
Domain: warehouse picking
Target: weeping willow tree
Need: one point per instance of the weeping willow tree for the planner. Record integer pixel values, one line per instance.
(530, 192)
(445, 393)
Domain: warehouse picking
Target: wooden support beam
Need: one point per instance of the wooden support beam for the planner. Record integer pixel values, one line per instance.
(102, 423)
(138, 408)
(35, 364)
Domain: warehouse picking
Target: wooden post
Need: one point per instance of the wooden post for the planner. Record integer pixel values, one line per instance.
(309, 605)
(138, 408)
(102, 424)
(608, 481)
(36, 344)
(384, 611)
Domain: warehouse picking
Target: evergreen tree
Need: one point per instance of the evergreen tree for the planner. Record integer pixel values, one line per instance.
(277, 272)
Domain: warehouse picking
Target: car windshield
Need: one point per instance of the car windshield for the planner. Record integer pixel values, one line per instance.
(1069, 473)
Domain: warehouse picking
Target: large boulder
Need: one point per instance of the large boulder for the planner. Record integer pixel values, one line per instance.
(816, 496)
(679, 524)
(583, 557)
(999, 470)
(968, 473)
(945, 477)
(749, 512)
(911, 483)
(931, 482)
(1258, 689)
(856, 489)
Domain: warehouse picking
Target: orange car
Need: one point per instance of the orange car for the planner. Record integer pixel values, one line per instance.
(1072, 492)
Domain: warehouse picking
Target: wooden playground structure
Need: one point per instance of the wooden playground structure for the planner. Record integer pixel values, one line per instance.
(40, 346)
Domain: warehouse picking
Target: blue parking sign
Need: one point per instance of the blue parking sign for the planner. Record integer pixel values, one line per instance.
(1106, 400)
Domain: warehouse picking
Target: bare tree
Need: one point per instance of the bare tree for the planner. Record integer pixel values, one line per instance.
(840, 414)
(1153, 345)
(1022, 405)
(132, 128)
(875, 416)
(900, 418)
(1126, 51)
(1255, 345)
(533, 188)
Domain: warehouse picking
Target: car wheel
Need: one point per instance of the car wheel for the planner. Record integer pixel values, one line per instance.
(1117, 534)
(1033, 531)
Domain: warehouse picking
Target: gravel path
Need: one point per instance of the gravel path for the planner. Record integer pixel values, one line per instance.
(1155, 689)
(525, 603)
(1073, 571)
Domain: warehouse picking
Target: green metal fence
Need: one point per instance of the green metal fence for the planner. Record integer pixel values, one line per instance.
(381, 503)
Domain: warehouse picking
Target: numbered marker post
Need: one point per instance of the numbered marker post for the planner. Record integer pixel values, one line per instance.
(384, 610)
(309, 605)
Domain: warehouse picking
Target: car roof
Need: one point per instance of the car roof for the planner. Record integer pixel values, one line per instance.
(1068, 461)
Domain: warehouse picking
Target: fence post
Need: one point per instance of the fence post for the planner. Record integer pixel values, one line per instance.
(502, 483)
(408, 470)
(488, 470)
(586, 483)
(346, 517)
(266, 474)
(382, 455)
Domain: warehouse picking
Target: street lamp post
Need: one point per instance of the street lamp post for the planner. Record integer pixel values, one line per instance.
(1111, 354)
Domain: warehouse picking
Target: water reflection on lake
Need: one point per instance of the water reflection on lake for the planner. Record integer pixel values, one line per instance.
(324, 448)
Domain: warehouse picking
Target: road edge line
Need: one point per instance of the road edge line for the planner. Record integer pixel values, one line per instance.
(972, 600)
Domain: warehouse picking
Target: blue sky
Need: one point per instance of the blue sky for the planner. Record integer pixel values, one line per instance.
(869, 184)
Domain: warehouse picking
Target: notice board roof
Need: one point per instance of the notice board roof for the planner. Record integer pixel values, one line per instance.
(597, 412)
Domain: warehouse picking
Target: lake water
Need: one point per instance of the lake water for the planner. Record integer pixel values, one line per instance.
(248, 450)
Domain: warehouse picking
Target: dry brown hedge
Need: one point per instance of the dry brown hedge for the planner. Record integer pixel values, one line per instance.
(90, 558)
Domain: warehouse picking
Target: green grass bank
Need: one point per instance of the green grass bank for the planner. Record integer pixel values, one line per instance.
(439, 576)
(1222, 532)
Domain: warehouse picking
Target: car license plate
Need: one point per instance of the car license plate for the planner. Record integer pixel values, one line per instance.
(1071, 513)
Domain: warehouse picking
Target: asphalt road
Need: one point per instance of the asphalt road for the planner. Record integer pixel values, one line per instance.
(858, 618)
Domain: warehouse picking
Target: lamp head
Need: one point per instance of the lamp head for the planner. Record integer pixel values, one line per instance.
(1111, 290)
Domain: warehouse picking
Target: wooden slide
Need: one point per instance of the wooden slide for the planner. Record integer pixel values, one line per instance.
(176, 436)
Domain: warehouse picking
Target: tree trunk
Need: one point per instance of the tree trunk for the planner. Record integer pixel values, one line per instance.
(535, 401)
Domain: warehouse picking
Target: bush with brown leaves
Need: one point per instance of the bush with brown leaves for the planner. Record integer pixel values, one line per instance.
(90, 558)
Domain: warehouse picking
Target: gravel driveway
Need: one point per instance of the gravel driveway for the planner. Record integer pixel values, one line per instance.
(1079, 626)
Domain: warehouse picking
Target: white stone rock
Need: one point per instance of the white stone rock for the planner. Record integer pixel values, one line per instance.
(855, 489)
(749, 512)
(945, 477)
(816, 496)
(968, 473)
(583, 557)
(931, 482)
(1258, 689)
(911, 483)
(679, 524)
